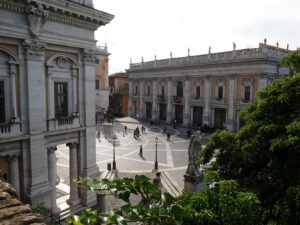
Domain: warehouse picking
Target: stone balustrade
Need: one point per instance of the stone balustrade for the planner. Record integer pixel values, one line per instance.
(195, 100)
(237, 55)
(63, 123)
(10, 129)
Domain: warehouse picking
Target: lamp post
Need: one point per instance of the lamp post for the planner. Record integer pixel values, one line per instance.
(114, 158)
(156, 163)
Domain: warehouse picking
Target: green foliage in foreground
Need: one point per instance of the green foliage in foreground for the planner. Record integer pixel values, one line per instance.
(221, 203)
(264, 156)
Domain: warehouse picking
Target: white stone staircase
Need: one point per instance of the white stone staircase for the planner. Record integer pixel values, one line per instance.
(170, 184)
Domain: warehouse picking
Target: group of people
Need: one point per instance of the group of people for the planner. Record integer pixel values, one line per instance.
(136, 132)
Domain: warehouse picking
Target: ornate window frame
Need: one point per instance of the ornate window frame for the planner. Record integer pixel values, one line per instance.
(247, 82)
(220, 83)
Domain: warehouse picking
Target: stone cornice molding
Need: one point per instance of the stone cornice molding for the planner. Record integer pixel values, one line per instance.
(34, 49)
(62, 11)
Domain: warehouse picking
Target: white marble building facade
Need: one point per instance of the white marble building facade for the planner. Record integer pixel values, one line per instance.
(206, 89)
(47, 97)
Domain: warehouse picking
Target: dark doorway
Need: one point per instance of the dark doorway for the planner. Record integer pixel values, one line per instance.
(179, 113)
(162, 111)
(148, 110)
(220, 117)
(197, 115)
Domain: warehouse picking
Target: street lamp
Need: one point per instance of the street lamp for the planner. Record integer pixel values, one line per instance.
(114, 158)
(156, 163)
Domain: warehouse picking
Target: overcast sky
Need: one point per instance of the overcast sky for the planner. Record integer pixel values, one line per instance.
(144, 28)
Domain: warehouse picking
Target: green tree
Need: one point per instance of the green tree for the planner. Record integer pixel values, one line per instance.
(221, 203)
(264, 155)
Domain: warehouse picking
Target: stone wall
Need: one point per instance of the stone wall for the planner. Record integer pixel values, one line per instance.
(14, 212)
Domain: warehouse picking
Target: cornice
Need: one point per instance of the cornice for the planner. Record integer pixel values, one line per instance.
(63, 11)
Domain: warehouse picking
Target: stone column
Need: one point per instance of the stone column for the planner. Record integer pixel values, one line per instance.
(51, 111)
(142, 114)
(14, 177)
(12, 72)
(74, 82)
(130, 106)
(154, 100)
(169, 104)
(38, 189)
(263, 81)
(52, 174)
(74, 199)
(207, 99)
(88, 166)
(187, 110)
(231, 104)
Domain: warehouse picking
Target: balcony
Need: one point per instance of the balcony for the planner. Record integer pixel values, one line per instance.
(148, 98)
(246, 101)
(178, 99)
(10, 129)
(162, 98)
(63, 123)
(196, 100)
(219, 100)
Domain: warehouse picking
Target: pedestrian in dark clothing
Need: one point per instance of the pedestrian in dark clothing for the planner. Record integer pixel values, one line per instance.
(141, 150)
(125, 129)
(168, 136)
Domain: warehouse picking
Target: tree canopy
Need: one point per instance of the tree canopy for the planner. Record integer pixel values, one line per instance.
(264, 155)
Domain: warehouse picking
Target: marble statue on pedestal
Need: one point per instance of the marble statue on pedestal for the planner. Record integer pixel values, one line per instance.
(193, 178)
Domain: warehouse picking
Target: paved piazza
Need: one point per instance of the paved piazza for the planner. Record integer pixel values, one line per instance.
(172, 155)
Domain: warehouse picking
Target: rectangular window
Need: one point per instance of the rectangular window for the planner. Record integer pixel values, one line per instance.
(136, 90)
(162, 91)
(2, 102)
(148, 90)
(61, 99)
(97, 85)
(220, 92)
(197, 94)
(247, 90)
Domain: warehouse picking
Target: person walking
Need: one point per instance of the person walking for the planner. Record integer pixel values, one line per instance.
(125, 129)
(141, 151)
(168, 136)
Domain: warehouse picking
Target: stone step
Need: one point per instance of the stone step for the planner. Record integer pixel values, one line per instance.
(170, 184)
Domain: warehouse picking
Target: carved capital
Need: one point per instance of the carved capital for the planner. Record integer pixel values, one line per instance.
(37, 15)
(12, 69)
(89, 56)
(34, 49)
(72, 145)
(50, 71)
(74, 72)
(51, 149)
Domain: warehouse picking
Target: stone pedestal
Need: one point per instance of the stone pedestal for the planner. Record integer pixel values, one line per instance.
(193, 183)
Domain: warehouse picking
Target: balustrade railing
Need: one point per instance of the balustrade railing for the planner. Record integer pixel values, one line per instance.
(63, 123)
(261, 52)
(10, 129)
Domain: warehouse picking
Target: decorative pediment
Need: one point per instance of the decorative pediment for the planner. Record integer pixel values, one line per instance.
(247, 81)
(62, 61)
